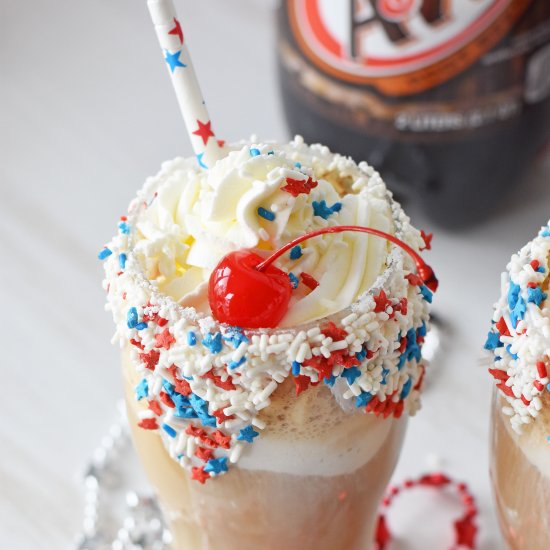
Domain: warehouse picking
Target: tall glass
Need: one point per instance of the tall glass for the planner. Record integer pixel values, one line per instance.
(520, 475)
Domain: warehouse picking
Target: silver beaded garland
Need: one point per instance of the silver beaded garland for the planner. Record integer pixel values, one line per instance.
(110, 521)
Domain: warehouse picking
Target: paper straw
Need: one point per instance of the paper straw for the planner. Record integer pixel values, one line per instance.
(188, 93)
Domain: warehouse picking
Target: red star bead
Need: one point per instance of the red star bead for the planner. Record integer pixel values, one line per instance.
(204, 454)
(204, 131)
(297, 187)
(321, 365)
(164, 339)
(177, 30)
(381, 301)
(224, 385)
(155, 407)
(194, 431)
(181, 386)
(199, 474)
(427, 238)
(221, 416)
(150, 359)
(334, 332)
(221, 439)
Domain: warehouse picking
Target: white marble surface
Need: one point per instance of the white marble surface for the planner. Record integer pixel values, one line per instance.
(86, 113)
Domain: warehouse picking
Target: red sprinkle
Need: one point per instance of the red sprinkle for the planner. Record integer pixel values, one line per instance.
(499, 374)
(221, 416)
(137, 343)
(427, 238)
(224, 385)
(332, 331)
(221, 439)
(321, 365)
(194, 431)
(181, 386)
(164, 339)
(381, 301)
(166, 399)
(309, 281)
(525, 401)
(150, 359)
(155, 407)
(541, 369)
(297, 187)
(302, 383)
(414, 279)
(507, 390)
(538, 385)
(148, 424)
(502, 327)
(199, 474)
(204, 454)
(535, 264)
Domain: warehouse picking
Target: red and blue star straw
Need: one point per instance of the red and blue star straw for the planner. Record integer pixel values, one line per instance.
(180, 67)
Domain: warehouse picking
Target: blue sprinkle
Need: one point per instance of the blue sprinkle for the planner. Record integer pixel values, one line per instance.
(536, 296)
(168, 387)
(406, 388)
(169, 430)
(142, 390)
(141, 326)
(124, 228)
(361, 355)
(508, 349)
(540, 269)
(191, 338)
(105, 253)
(296, 252)
(493, 341)
(298, 164)
(321, 209)
(200, 406)
(422, 330)
(247, 434)
(363, 399)
(186, 412)
(518, 312)
(548, 438)
(296, 368)
(180, 401)
(235, 336)
(132, 317)
(271, 152)
(513, 294)
(426, 293)
(545, 232)
(412, 350)
(330, 380)
(385, 373)
(351, 374)
(122, 260)
(235, 364)
(216, 465)
(213, 342)
(294, 281)
(548, 387)
(255, 152)
(401, 362)
(266, 214)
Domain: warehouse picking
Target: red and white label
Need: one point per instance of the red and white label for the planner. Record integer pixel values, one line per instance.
(384, 38)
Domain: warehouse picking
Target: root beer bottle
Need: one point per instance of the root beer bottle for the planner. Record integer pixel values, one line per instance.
(448, 99)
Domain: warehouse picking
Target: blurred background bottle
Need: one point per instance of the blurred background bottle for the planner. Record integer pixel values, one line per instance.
(448, 99)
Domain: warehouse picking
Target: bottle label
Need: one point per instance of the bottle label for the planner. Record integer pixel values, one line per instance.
(400, 46)
(419, 66)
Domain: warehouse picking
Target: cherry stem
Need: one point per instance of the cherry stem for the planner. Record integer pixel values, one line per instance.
(424, 271)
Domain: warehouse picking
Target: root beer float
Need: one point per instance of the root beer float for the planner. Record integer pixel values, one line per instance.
(520, 344)
(270, 305)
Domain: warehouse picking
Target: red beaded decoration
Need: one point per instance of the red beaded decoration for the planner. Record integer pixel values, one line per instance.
(465, 527)
(246, 290)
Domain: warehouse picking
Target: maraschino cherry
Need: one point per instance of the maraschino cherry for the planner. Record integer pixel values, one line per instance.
(246, 290)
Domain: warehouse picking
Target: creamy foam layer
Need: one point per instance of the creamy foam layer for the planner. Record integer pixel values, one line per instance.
(246, 201)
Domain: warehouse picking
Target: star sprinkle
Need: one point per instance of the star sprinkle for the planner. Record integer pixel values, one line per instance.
(204, 454)
(302, 384)
(150, 359)
(427, 238)
(199, 474)
(142, 390)
(221, 417)
(216, 465)
(173, 60)
(493, 341)
(296, 187)
(204, 131)
(247, 434)
(362, 400)
(148, 424)
(321, 365)
(177, 30)
(381, 301)
(351, 374)
(221, 439)
(224, 384)
(132, 317)
(213, 342)
(324, 211)
(164, 339)
(155, 407)
(536, 296)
